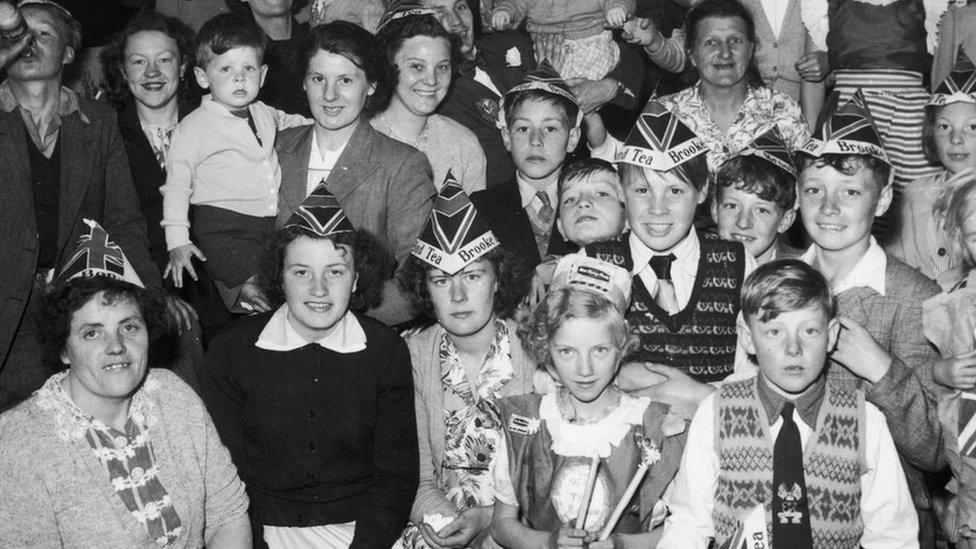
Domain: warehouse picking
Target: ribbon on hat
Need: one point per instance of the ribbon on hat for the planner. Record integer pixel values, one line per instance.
(772, 147)
(98, 255)
(544, 78)
(455, 234)
(959, 86)
(589, 274)
(849, 129)
(660, 140)
(320, 214)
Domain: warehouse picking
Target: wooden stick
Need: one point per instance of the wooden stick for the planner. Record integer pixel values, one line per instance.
(584, 506)
(624, 500)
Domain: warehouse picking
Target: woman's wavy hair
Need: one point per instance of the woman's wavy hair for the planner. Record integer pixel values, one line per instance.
(724, 9)
(361, 48)
(370, 261)
(392, 36)
(113, 56)
(537, 329)
(511, 273)
(61, 302)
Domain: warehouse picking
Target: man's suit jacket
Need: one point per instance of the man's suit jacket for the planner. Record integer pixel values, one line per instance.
(502, 207)
(95, 184)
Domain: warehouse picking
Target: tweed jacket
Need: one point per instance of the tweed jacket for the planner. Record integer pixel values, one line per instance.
(918, 239)
(95, 184)
(429, 401)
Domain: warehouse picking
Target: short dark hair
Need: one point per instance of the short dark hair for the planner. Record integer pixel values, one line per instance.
(581, 169)
(751, 174)
(723, 9)
(226, 31)
(370, 261)
(392, 36)
(70, 25)
(515, 101)
(113, 56)
(61, 302)
(358, 46)
(511, 272)
(693, 171)
(849, 164)
(782, 286)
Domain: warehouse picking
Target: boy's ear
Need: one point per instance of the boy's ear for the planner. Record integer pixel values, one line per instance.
(201, 76)
(264, 74)
(713, 208)
(833, 331)
(506, 138)
(69, 55)
(574, 137)
(703, 193)
(745, 334)
(884, 200)
(786, 221)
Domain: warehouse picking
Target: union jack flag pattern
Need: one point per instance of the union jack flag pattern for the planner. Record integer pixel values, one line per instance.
(98, 255)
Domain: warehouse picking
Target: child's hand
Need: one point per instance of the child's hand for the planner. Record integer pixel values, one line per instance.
(460, 533)
(567, 536)
(859, 352)
(182, 258)
(813, 66)
(616, 16)
(958, 372)
(500, 20)
(252, 298)
(540, 281)
(641, 31)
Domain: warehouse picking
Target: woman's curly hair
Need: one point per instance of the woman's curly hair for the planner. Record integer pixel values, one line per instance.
(113, 56)
(561, 304)
(511, 273)
(61, 302)
(370, 261)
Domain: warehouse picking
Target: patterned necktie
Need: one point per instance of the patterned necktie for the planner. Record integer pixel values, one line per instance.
(542, 225)
(791, 516)
(665, 297)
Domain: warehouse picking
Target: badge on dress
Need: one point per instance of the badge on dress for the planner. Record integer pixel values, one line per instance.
(523, 425)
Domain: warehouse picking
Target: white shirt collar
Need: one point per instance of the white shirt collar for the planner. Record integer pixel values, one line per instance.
(870, 269)
(686, 253)
(279, 335)
(528, 192)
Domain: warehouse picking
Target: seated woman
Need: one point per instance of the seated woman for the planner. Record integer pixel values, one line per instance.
(461, 365)
(423, 55)
(315, 402)
(112, 453)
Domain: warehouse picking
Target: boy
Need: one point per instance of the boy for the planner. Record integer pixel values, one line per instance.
(222, 161)
(591, 202)
(799, 443)
(755, 198)
(844, 183)
(686, 285)
(540, 125)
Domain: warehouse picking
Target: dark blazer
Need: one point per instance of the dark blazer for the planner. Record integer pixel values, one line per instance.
(475, 106)
(502, 207)
(95, 183)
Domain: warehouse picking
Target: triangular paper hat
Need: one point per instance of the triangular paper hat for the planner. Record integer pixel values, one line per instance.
(544, 78)
(405, 8)
(580, 272)
(771, 147)
(660, 141)
(959, 86)
(455, 234)
(849, 129)
(98, 255)
(320, 214)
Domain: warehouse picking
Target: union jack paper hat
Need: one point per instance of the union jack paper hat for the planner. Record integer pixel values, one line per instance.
(771, 147)
(405, 8)
(849, 129)
(455, 234)
(959, 86)
(98, 255)
(660, 141)
(543, 78)
(580, 272)
(320, 214)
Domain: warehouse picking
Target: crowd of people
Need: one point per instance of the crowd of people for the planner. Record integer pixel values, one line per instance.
(507, 273)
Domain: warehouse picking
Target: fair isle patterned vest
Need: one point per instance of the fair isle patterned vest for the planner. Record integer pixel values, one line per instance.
(832, 463)
(700, 340)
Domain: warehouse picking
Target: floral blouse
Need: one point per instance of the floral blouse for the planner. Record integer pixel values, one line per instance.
(762, 109)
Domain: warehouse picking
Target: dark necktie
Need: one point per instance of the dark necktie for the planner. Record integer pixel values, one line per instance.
(246, 115)
(791, 516)
(665, 296)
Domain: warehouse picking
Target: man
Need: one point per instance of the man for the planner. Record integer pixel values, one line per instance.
(63, 162)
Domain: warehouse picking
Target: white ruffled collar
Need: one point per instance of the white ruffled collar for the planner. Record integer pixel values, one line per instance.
(279, 335)
(569, 439)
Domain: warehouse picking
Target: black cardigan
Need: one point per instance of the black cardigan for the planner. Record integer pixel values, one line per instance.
(318, 437)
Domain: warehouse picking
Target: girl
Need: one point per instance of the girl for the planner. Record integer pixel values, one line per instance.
(543, 463)
(949, 138)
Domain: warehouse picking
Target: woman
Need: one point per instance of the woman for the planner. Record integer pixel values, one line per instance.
(314, 401)
(423, 55)
(461, 365)
(384, 186)
(729, 106)
(111, 453)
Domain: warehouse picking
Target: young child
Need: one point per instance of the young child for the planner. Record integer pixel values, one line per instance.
(571, 34)
(844, 183)
(802, 445)
(549, 442)
(591, 202)
(539, 121)
(755, 198)
(949, 139)
(686, 284)
(222, 161)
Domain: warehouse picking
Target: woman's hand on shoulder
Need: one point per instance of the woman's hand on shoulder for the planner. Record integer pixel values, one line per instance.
(180, 259)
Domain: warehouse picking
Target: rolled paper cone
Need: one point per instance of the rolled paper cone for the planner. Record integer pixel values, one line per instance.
(588, 492)
(624, 501)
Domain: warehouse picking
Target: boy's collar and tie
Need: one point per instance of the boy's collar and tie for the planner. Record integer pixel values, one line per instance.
(807, 404)
(683, 267)
(870, 270)
(665, 295)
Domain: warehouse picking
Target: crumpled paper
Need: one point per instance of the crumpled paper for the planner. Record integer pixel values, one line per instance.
(950, 318)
